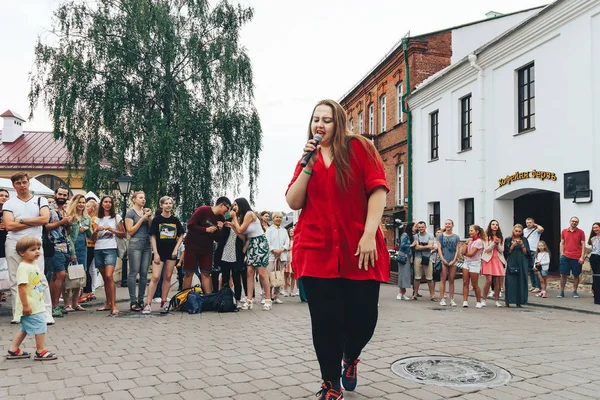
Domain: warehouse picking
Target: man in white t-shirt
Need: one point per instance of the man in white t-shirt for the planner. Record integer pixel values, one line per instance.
(24, 215)
(533, 233)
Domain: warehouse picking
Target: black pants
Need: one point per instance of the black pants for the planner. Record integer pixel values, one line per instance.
(88, 282)
(232, 270)
(244, 278)
(180, 275)
(343, 313)
(595, 263)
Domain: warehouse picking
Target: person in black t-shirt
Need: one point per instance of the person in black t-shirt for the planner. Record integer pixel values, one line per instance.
(166, 234)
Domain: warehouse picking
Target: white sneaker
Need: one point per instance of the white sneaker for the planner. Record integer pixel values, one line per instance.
(263, 301)
(483, 304)
(405, 297)
(285, 294)
(491, 294)
(157, 300)
(452, 303)
(465, 304)
(442, 302)
(498, 304)
(147, 309)
(293, 294)
(277, 301)
(501, 295)
(478, 305)
(238, 305)
(399, 297)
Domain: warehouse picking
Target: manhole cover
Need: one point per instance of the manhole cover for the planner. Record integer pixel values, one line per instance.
(450, 371)
(450, 309)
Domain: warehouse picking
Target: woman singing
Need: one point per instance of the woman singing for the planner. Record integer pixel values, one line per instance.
(339, 250)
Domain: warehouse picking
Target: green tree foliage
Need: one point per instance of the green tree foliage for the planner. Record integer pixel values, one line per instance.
(161, 89)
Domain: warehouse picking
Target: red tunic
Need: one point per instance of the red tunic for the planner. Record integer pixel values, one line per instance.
(197, 239)
(333, 221)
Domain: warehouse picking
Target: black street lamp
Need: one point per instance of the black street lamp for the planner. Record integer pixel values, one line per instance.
(124, 182)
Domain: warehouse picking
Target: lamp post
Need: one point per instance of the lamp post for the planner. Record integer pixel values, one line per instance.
(124, 182)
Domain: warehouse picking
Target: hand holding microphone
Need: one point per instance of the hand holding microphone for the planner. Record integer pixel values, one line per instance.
(309, 150)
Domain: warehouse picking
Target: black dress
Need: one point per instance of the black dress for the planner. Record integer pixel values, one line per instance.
(516, 283)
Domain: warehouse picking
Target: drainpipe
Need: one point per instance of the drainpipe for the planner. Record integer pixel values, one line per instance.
(481, 137)
(409, 216)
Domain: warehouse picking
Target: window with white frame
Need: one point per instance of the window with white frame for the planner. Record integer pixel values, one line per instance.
(465, 123)
(469, 215)
(526, 97)
(371, 119)
(399, 113)
(382, 113)
(351, 124)
(361, 128)
(434, 135)
(400, 185)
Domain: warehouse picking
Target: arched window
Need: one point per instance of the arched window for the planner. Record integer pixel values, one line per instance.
(53, 182)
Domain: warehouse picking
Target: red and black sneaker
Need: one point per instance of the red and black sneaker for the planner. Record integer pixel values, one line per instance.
(328, 392)
(349, 379)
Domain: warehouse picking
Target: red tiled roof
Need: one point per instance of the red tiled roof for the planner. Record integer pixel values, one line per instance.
(34, 150)
(11, 114)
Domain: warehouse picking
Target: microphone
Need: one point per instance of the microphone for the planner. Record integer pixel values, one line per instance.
(317, 138)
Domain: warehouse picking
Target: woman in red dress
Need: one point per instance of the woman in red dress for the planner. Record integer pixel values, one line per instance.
(339, 250)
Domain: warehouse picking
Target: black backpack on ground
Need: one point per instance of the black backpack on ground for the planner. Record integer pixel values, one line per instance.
(225, 301)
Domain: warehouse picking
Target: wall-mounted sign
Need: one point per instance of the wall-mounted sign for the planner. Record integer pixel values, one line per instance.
(534, 174)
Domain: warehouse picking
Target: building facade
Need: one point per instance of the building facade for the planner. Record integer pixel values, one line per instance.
(35, 152)
(374, 104)
(511, 130)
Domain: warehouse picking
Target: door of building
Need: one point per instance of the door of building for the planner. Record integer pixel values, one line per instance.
(544, 208)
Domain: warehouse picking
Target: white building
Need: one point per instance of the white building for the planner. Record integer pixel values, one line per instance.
(510, 131)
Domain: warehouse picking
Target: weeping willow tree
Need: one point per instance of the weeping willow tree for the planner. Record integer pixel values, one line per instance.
(161, 89)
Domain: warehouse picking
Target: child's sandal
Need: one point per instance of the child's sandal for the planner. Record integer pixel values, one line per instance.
(44, 355)
(16, 355)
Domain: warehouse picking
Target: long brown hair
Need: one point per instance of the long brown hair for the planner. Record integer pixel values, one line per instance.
(340, 144)
(592, 234)
(490, 233)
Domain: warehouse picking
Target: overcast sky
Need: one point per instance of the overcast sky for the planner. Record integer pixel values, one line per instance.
(302, 52)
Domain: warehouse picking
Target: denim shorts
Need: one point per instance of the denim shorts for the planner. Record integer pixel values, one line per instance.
(105, 257)
(34, 324)
(570, 264)
(60, 261)
(544, 272)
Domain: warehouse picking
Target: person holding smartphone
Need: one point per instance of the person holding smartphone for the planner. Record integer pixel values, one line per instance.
(517, 255)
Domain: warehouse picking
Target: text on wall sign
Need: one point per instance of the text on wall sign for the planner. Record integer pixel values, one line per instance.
(534, 174)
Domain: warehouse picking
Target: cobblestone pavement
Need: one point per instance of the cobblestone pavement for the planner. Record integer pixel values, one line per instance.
(268, 355)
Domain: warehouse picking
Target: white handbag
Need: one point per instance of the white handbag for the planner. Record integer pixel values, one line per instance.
(76, 277)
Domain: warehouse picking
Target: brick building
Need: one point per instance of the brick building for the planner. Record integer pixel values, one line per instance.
(374, 104)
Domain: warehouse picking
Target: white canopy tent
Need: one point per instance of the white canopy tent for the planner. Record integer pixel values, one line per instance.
(35, 186)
